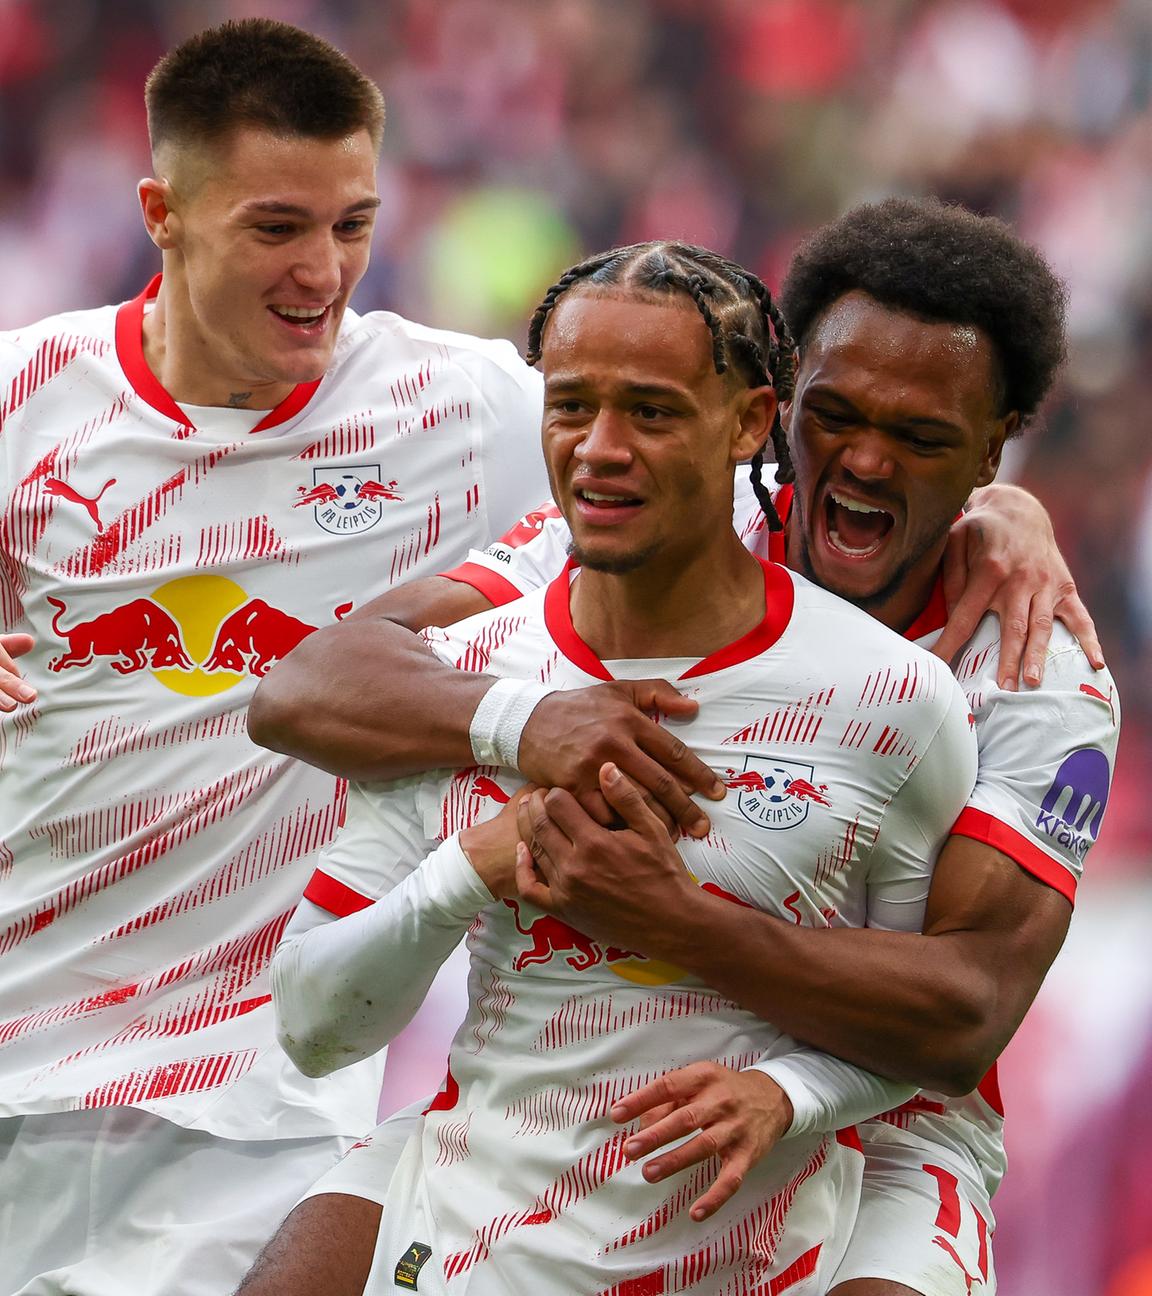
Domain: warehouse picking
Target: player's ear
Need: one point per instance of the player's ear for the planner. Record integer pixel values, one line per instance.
(157, 207)
(1001, 431)
(756, 411)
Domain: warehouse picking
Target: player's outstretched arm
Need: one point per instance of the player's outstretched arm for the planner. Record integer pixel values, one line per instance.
(14, 688)
(934, 1010)
(1002, 557)
(365, 699)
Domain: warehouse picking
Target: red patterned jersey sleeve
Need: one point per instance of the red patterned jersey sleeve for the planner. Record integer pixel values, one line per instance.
(529, 556)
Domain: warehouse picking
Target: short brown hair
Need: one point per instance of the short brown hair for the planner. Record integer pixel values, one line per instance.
(262, 73)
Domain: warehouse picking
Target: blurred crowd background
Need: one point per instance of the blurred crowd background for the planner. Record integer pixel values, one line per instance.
(524, 132)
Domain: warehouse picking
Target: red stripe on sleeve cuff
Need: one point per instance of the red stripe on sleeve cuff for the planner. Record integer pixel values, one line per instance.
(981, 826)
(334, 896)
(495, 588)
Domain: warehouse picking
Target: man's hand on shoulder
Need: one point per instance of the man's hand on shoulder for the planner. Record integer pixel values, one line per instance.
(572, 734)
(14, 688)
(1002, 557)
(738, 1116)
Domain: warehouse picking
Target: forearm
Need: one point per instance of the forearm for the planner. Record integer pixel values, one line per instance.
(343, 990)
(366, 700)
(910, 1007)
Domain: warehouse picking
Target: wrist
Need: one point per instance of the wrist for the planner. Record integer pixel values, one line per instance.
(499, 719)
(692, 931)
(774, 1102)
(482, 854)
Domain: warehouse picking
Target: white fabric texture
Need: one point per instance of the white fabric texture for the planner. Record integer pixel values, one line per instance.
(118, 1201)
(499, 719)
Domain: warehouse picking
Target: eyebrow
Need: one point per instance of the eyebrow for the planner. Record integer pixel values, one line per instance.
(292, 209)
(568, 383)
(912, 421)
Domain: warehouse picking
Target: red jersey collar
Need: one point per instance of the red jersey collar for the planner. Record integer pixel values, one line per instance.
(779, 595)
(130, 353)
(933, 614)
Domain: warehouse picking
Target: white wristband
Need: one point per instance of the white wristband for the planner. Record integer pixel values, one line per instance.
(500, 718)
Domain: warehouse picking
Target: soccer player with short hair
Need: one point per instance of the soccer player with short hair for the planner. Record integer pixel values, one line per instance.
(661, 374)
(920, 328)
(189, 484)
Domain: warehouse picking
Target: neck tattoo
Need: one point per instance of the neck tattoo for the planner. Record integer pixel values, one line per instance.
(238, 399)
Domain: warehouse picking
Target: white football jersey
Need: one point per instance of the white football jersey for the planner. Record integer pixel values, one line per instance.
(849, 753)
(164, 559)
(1046, 760)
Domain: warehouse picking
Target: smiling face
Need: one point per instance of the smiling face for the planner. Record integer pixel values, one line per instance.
(264, 240)
(641, 434)
(894, 421)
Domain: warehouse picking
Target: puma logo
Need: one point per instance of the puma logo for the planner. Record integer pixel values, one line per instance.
(61, 489)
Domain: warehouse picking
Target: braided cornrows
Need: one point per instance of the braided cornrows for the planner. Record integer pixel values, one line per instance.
(589, 268)
(747, 327)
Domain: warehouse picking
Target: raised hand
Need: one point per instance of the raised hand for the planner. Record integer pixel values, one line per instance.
(1002, 557)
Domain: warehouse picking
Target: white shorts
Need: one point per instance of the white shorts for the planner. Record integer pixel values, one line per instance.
(118, 1202)
(924, 1221)
(799, 1236)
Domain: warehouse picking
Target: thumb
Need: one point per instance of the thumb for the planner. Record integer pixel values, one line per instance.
(658, 695)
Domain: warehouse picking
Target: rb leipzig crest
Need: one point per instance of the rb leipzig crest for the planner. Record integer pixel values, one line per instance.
(775, 793)
(347, 500)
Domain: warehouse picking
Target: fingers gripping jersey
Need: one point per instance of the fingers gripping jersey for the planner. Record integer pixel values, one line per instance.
(165, 560)
(1046, 759)
(517, 1180)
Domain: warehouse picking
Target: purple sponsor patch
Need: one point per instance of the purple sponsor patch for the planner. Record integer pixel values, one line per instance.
(1073, 807)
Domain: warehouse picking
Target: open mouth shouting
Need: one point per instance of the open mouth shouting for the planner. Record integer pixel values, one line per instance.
(855, 529)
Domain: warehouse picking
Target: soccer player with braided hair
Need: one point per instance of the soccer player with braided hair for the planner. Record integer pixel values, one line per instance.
(935, 1009)
(747, 328)
(519, 1173)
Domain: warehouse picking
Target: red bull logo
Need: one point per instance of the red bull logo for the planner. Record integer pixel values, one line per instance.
(197, 635)
(801, 788)
(138, 636)
(551, 938)
(370, 490)
(775, 793)
(325, 493)
(255, 638)
(347, 500)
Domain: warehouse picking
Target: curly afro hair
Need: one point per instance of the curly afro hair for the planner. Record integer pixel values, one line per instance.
(943, 264)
